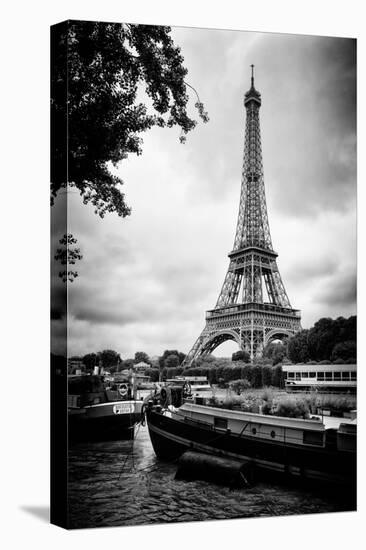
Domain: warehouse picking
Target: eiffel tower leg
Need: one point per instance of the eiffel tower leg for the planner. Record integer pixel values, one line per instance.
(196, 350)
(209, 339)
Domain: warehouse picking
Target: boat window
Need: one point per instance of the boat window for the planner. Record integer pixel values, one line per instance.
(312, 374)
(337, 375)
(254, 431)
(305, 375)
(312, 438)
(328, 375)
(220, 422)
(290, 375)
(320, 375)
(298, 375)
(273, 434)
(353, 376)
(345, 375)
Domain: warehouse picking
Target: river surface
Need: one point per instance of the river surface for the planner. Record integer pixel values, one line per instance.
(123, 483)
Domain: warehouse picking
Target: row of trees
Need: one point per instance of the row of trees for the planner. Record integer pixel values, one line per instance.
(111, 360)
(224, 371)
(168, 365)
(328, 340)
(273, 354)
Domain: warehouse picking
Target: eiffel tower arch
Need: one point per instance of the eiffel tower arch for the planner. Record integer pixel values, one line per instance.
(253, 307)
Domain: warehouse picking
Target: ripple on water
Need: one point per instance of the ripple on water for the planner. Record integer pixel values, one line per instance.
(123, 483)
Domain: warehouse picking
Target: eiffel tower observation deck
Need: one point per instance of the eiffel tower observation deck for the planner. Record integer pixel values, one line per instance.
(253, 307)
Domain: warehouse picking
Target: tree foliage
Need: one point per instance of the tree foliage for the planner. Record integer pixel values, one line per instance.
(241, 356)
(121, 80)
(276, 352)
(153, 374)
(328, 340)
(344, 351)
(90, 361)
(171, 361)
(142, 357)
(223, 371)
(108, 358)
(291, 407)
(298, 347)
(171, 372)
(163, 358)
(239, 385)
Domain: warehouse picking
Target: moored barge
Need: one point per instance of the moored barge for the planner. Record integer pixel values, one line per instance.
(100, 411)
(303, 449)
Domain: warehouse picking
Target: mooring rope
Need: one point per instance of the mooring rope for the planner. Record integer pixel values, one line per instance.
(130, 452)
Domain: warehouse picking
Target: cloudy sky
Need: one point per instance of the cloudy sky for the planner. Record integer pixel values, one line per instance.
(146, 281)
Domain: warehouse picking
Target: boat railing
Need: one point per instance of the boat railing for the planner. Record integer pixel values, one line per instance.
(189, 419)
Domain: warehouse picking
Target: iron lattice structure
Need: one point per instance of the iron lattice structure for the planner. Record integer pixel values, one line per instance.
(253, 307)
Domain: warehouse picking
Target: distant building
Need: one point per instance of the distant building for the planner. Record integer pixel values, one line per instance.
(141, 366)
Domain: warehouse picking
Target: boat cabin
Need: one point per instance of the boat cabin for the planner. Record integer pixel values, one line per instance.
(266, 427)
(89, 390)
(271, 428)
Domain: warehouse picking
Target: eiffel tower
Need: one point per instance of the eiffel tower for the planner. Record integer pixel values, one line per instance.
(253, 307)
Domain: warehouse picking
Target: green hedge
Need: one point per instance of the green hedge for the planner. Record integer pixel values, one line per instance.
(257, 375)
(225, 372)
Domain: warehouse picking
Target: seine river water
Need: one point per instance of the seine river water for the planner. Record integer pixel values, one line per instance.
(123, 483)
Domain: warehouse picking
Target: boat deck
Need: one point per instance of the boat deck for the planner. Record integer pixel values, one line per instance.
(334, 421)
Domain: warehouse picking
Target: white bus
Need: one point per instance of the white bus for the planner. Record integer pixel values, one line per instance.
(321, 377)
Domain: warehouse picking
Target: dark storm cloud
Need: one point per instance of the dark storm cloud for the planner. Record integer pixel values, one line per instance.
(340, 291)
(166, 292)
(311, 159)
(104, 314)
(312, 269)
(308, 117)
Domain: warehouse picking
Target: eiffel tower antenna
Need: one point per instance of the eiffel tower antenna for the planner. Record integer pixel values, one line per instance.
(253, 307)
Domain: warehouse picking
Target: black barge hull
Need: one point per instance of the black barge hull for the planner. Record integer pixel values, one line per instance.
(170, 438)
(102, 423)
